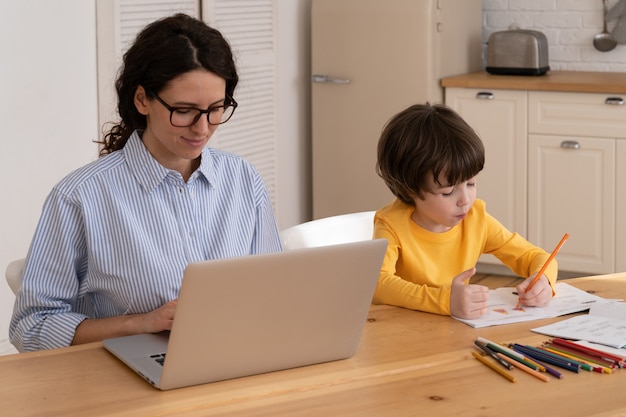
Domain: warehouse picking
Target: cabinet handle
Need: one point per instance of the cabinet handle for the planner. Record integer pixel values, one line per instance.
(570, 144)
(484, 95)
(615, 101)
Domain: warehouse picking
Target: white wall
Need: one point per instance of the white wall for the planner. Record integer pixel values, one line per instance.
(48, 113)
(294, 74)
(569, 26)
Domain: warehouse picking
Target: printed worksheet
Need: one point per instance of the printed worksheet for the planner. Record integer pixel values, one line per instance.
(503, 306)
(605, 324)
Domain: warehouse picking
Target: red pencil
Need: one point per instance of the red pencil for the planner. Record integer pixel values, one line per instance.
(605, 356)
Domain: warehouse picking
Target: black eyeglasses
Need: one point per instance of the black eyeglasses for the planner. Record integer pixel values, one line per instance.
(189, 116)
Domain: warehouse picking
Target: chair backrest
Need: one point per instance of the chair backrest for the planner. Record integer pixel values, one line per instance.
(14, 274)
(333, 230)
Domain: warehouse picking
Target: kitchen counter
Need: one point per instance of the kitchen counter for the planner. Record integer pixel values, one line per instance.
(565, 81)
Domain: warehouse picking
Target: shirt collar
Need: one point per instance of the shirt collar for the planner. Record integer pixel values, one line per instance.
(149, 172)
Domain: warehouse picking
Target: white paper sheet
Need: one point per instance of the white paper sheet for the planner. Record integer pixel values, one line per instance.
(503, 302)
(605, 324)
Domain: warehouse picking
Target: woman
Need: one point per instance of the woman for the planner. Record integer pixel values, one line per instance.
(114, 237)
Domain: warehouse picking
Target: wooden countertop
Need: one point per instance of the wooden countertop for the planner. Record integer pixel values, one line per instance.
(565, 81)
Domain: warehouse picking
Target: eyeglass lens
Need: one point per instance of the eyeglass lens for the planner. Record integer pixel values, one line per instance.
(189, 117)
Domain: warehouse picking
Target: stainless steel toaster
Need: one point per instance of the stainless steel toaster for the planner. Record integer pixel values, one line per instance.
(517, 52)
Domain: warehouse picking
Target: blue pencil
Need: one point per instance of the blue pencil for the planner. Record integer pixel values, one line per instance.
(546, 368)
(537, 354)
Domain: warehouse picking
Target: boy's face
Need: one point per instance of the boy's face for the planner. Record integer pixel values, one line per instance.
(444, 206)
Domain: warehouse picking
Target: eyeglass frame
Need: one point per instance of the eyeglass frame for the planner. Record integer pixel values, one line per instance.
(231, 103)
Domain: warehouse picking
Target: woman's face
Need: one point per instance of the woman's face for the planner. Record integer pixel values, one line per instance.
(179, 148)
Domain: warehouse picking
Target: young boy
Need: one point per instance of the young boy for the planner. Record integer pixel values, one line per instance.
(429, 157)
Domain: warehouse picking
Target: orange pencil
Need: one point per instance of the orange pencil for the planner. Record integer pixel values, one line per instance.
(524, 368)
(545, 265)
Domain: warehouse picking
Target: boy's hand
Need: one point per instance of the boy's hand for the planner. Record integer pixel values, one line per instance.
(468, 301)
(539, 295)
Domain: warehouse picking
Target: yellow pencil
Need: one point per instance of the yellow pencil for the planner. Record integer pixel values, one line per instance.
(524, 368)
(545, 265)
(493, 366)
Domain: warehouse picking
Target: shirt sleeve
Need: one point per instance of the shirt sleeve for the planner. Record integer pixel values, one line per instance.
(43, 316)
(267, 237)
(394, 290)
(517, 253)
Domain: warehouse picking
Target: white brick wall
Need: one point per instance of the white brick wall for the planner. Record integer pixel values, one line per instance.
(569, 26)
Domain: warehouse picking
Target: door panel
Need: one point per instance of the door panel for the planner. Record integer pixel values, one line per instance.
(572, 190)
(393, 53)
(382, 49)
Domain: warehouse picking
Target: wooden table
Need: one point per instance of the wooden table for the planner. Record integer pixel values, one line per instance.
(408, 364)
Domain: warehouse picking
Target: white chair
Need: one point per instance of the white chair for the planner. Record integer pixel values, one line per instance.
(14, 274)
(333, 230)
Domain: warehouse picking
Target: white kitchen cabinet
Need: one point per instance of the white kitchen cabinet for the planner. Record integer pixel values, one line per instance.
(555, 165)
(571, 189)
(499, 118)
(620, 206)
(573, 170)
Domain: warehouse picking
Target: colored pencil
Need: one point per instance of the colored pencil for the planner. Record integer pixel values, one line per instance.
(597, 364)
(513, 355)
(524, 368)
(545, 357)
(483, 346)
(583, 365)
(553, 371)
(545, 265)
(493, 366)
(605, 356)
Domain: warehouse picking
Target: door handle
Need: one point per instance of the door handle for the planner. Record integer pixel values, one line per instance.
(484, 95)
(570, 144)
(615, 101)
(326, 79)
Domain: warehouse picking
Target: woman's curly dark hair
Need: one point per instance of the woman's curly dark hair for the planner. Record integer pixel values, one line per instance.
(162, 51)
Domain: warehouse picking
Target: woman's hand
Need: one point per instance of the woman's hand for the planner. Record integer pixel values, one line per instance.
(468, 301)
(159, 319)
(94, 330)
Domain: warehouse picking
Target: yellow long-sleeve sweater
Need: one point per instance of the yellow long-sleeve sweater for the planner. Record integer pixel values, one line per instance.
(419, 265)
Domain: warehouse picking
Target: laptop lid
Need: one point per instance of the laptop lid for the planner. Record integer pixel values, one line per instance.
(249, 315)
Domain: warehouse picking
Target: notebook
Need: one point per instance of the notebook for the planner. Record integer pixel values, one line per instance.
(261, 313)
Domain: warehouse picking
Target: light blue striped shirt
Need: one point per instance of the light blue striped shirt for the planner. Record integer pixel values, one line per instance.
(115, 236)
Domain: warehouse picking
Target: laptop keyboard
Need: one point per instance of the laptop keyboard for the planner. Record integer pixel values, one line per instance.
(159, 357)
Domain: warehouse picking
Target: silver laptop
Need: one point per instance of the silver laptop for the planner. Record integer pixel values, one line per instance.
(262, 313)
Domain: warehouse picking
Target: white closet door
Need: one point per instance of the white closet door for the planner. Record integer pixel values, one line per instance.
(118, 22)
(249, 27)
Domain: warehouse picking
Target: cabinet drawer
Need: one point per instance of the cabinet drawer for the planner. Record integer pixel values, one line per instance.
(578, 114)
